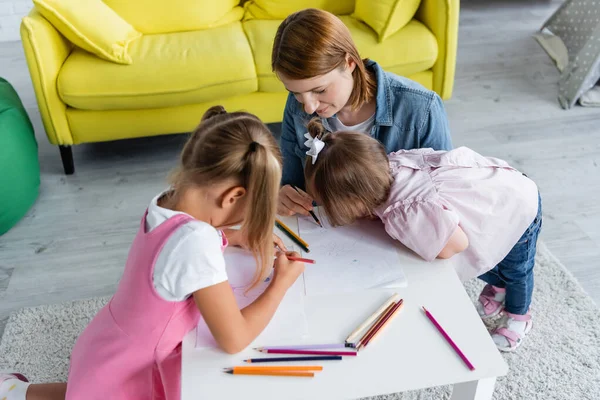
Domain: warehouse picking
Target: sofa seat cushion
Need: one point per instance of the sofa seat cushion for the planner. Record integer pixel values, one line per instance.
(410, 50)
(168, 70)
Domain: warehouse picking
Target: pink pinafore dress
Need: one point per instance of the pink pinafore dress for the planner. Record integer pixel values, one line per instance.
(132, 348)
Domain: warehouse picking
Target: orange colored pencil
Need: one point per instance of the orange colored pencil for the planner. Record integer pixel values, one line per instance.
(372, 328)
(278, 368)
(272, 373)
(392, 315)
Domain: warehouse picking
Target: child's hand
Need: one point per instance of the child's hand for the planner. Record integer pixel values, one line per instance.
(235, 238)
(286, 271)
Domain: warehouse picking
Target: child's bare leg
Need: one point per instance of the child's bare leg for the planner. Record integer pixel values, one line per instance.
(47, 391)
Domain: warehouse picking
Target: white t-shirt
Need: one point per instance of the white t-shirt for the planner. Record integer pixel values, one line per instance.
(190, 260)
(364, 126)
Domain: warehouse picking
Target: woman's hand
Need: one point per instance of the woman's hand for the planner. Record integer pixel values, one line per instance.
(292, 202)
(286, 271)
(235, 238)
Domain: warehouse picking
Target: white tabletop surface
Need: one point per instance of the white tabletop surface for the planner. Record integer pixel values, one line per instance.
(410, 354)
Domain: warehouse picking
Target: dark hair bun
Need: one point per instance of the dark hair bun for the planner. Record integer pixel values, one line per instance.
(315, 128)
(213, 111)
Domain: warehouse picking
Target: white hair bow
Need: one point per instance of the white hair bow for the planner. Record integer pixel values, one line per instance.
(315, 146)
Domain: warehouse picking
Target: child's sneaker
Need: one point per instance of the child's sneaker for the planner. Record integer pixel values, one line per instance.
(511, 331)
(491, 301)
(13, 386)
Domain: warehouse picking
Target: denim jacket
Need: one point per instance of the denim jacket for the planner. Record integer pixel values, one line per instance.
(407, 116)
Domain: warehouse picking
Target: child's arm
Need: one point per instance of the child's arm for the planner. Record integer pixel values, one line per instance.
(233, 328)
(457, 243)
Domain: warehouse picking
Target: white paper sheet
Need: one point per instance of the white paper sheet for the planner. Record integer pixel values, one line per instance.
(349, 258)
(288, 323)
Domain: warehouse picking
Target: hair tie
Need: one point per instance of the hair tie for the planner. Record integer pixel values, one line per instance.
(315, 146)
(253, 146)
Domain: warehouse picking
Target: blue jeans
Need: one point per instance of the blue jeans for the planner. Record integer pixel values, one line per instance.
(515, 272)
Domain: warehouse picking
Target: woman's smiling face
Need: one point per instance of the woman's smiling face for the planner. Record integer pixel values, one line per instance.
(324, 94)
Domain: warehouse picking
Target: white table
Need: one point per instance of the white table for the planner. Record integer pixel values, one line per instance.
(411, 354)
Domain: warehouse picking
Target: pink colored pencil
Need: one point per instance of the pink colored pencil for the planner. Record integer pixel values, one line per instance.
(448, 339)
(314, 352)
(306, 347)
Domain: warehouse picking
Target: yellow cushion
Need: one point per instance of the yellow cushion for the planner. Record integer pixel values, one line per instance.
(411, 50)
(386, 17)
(91, 25)
(162, 16)
(169, 69)
(279, 9)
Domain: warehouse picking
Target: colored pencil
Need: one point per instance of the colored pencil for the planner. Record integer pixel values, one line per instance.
(312, 214)
(286, 359)
(308, 352)
(306, 260)
(305, 347)
(392, 314)
(276, 368)
(371, 330)
(448, 339)
(295, 238)
(272, 373)
(372, 318)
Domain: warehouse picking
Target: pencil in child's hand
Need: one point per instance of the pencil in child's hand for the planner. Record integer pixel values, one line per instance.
(306, 260)
(312, 214)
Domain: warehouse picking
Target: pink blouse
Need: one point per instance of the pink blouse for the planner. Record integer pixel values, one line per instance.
(436, 191)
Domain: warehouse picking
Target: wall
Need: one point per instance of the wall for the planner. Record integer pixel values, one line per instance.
(11, 12)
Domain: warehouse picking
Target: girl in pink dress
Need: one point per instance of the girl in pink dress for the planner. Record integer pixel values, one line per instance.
(456, 204)
(229, 174)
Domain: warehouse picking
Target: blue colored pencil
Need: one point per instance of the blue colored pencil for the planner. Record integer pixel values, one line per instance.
(281, 359)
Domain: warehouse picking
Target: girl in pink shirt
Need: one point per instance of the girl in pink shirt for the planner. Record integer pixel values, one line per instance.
(440, 204)
(229, 174)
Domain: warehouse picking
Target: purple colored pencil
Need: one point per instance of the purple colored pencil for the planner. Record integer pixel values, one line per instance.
(448, 339)
(306, 347)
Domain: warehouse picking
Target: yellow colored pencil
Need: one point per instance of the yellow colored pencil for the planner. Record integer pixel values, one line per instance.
(298, 238)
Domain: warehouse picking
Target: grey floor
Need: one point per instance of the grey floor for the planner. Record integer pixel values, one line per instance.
(74, 242)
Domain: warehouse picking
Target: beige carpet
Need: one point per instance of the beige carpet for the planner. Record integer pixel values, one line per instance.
(560, 360)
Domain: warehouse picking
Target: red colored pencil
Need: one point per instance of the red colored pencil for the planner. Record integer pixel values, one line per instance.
(379, 324)
(315, 352)
(306, 260)
(448, 339)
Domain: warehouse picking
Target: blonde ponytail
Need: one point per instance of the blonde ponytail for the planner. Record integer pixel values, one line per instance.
(237, 146)
(263, 186)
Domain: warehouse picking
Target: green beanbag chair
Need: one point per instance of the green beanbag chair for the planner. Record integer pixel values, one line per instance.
(19, 165)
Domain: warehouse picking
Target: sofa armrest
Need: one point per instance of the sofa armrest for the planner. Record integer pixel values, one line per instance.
(45, 51)
(441, 17)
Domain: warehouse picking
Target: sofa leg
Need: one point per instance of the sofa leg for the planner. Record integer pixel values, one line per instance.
(66, 155)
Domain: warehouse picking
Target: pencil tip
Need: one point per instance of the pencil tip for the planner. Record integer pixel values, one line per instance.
(229, 371)
(424, 309)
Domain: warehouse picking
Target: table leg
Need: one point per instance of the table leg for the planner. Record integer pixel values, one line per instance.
(482, 389)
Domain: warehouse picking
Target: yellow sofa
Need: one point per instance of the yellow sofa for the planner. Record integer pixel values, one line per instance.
(178, 71)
